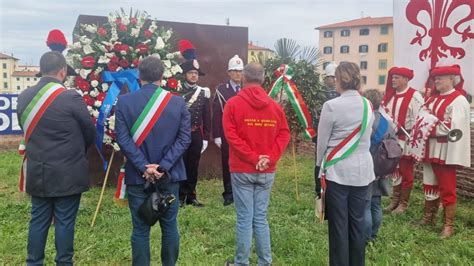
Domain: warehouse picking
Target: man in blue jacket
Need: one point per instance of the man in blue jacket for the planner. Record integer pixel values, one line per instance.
(153, 130)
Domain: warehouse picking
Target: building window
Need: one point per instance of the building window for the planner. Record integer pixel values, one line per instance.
(383, 47)
(328, 34)
(35, 79)
(17, 79)
(344, 49)
(364, 31)
(252, 53)
(363, 64)
(4, 65)
(18, 88)
(363, 48)
(345, 33)
(383, 64)
(381, 79)
(384, 30)
(27, 79)
(364, 80)
(4, 75)
(327, 50)
(5, 85)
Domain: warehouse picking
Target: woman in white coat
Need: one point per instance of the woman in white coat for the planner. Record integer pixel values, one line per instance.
(346, 164)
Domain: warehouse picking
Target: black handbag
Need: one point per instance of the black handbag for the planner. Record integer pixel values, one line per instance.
(157, 203)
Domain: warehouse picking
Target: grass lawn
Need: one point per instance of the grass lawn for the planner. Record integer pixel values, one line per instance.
(207, 234)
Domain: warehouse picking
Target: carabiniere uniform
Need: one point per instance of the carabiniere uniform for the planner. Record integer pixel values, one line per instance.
(198, 102)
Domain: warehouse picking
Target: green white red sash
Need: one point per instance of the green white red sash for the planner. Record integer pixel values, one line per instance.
(142, 127)
(345, 148)
(296, 100)
(30, 118)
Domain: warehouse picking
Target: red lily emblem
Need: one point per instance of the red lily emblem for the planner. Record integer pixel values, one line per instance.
(439, 12)
(417, 134)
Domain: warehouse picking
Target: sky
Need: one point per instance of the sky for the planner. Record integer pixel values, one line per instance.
(24, 24)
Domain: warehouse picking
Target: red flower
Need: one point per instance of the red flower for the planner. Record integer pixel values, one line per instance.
(124, 63)
(148, 33)
(122, 27)
(124, 47)
(94, 76)
(89, 100)
(118, 21)
(142, 48)
(117, 47)
(101, 96)
(94, 120)
(82, 84)
(172, 83)
(102, 32)
(112, 66)
(134, 21)
(88, 61)
(135, 62)
(114, 60)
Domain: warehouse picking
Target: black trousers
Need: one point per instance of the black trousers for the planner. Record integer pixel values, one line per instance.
(345, 212)
(187, 188)
(227, 194)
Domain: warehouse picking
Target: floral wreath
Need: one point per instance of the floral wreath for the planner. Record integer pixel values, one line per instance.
(117, 47)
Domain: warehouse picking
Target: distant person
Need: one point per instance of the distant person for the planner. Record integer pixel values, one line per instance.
(343, 154)
(381, 129)
(224, 92)
(150, 145)
(257, 131)
(58, 129)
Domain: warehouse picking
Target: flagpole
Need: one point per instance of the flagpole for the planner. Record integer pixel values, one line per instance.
(103, 187)
(294, 168)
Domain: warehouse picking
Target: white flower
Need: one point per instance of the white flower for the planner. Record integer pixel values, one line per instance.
(116, 146)
(177, 54)
(95, 113)
(111, 122)
(176, 69)
(91, 28)
(135, 32)
(111, 18)
(163, 83)
(98, 70)
(97, 103)
(84, 72)
(159, 44)
(169, 56)
(75, 46)
(94, 93)
(109, 55)
(107, 139)
(153, 26)
(167, 74)
(125, 20)
(167, 63)
(89, 108)
(103, 60)
(84, 40)
(94, 83)
(123, 52)
(157, 55)
(105, 87)
(87, 49)
(114, 35)
(167, 35)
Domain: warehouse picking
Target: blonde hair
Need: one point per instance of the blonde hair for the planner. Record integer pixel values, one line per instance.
(348, 76)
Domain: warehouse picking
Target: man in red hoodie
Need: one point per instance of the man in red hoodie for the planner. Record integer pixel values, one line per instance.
(255, 127)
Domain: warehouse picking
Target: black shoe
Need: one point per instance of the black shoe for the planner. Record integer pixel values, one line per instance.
(229, 263)
(228, 201)
(195, 203)
(181, 203)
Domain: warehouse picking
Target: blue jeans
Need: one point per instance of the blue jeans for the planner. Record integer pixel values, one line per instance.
(251, 197)
(64, 210)
(141, 232)
(373, 217)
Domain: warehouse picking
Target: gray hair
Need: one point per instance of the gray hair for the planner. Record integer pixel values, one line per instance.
(374, 96)
(456, 79)
(254, 73)
(151, 69)
(51, 63)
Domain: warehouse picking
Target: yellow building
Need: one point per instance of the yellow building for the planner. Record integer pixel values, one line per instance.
(367, 42)
(259, 54)
(15, 78)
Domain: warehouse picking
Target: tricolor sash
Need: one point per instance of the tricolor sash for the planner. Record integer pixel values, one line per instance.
(345, 148)
(30, 118)
(142, 127)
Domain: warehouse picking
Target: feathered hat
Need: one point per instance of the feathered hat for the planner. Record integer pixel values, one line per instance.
(57, 43)
(187, 50)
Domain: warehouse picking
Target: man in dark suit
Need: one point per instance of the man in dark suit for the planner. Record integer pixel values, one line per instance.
(57, 168)
(224, 92)
(164, 146)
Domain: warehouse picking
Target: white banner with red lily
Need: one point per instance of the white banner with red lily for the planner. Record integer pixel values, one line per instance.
(284, 82)
(434, 33)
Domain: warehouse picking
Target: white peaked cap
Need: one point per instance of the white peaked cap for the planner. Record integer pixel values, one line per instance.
(235, 63)
(330, 69)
